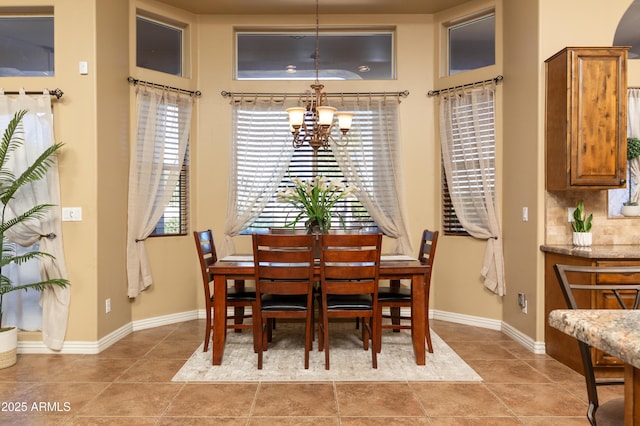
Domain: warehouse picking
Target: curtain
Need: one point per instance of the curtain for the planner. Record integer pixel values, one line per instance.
(467, 137)
(154, 171)
(633, 131)
(251, 184)
(38, 135)
(371, 161)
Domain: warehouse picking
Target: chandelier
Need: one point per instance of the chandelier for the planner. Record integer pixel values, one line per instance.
(313, 123)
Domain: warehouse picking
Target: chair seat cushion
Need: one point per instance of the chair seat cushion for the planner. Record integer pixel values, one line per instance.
(349, 302)
(247, 294)
(277, 302)
(394, 294)
(611, 413)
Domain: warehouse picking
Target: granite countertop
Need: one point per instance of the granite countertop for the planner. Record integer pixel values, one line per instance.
(614, 331)
(623, 251)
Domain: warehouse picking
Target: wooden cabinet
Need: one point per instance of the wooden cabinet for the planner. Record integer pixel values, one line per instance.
(586, 109)
(563, 347)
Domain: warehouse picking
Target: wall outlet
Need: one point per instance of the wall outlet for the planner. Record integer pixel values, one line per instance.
(522, 302)
(570, 211)
(72, 214)
(107, 305)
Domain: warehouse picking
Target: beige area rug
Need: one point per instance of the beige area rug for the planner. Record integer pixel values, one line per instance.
(284, 360)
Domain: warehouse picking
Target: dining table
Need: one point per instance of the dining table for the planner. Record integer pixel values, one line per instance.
(392, 267)
(616, 332)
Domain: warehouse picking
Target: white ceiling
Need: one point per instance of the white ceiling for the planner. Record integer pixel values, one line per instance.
(279, 7)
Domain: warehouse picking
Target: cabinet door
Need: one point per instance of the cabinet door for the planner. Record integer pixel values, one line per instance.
(598, 117)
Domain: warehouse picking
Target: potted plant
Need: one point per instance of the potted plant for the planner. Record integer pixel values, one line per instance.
(631, 207)
(581, 226)
(9, 186)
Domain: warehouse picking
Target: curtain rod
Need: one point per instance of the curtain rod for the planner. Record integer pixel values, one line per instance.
(55, 92)
(495, 79)
(135, 81)
(402, 94)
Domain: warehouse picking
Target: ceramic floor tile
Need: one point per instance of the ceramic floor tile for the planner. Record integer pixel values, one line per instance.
(203, 421)
(169, 349)
(215, 399)
(295, 399)
(480, 350)
(549, 400)
(295, 421)
(134, 399)
(151, 370)
(555, 421)
(477, 421)
(507, 371)
(374, 399)
(556, 371)
(93, 369)
(112, 421)
(459, 399)
(384, 421)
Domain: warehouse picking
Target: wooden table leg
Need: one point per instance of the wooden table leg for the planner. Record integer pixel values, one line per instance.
(417, 317)
(219, 317)
(631, 395)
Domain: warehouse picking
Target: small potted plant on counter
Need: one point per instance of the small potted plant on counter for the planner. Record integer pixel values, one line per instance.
(631, 207)
(581, 226)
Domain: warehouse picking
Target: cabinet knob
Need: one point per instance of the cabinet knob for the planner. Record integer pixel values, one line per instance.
(623, 181)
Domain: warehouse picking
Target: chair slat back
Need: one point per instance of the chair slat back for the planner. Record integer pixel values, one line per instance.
(283, 263)
(350, 263)
(207, 255)
(428, 245)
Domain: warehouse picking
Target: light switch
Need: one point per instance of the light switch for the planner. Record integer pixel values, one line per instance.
(83, 67)
(525, 214)
(71, 214)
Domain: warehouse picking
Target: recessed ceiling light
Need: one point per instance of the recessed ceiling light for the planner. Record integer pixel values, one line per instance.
(364, 68)
(291, 69)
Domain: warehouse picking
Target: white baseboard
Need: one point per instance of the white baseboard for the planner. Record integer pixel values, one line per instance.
(82, 347)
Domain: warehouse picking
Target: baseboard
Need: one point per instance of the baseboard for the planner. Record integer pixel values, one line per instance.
(82, 347)
(537, 348)
(467, 320)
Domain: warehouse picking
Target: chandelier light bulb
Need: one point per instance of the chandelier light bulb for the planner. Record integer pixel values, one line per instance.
(325, 115)
(344, 121)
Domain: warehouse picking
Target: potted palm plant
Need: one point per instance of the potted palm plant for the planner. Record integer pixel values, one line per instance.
(631, 207)
(10, 184)
(581, 226)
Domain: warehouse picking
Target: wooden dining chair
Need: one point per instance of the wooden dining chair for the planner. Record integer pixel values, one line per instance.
(349, 272)
(284, 284)
(395, 297)
(238, 296)
(611, 288)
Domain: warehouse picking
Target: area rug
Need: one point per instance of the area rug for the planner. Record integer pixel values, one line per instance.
(284, 360)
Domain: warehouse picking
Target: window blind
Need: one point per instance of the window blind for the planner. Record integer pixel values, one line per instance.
(254, 148)
(469, 123)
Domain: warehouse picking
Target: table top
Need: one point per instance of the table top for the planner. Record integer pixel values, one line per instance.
(614, 331)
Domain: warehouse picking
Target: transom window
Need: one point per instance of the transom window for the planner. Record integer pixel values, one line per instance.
(291, 55)
(159, 46)
(26, 46)
(471, 44)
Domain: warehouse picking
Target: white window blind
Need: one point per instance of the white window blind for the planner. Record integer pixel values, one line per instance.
(471, 124)
(257, 133)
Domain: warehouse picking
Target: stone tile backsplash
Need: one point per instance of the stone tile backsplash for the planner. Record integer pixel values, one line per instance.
(605, 230)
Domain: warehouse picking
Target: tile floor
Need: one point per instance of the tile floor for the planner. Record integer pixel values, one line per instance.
(130, 384)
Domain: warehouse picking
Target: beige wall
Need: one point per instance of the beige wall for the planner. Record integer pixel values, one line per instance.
(93, 119)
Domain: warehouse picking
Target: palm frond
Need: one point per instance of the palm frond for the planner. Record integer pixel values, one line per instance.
(36, 171)
(9, 140)
(37, 212)
(39, 286)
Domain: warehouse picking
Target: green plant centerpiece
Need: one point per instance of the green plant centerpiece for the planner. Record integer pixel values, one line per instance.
(314, 200)
(9, 187)
(633, 152)
(581, 226)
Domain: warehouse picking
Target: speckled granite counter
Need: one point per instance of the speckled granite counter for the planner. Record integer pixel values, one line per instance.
(630, 251)
(614, 331)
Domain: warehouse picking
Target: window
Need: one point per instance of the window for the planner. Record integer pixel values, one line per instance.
(471, 153)
(471, 44)
(253, 148)
(174, 220)
(159, 46)
(26, 46)
(288, 56)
